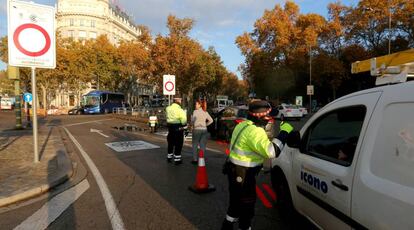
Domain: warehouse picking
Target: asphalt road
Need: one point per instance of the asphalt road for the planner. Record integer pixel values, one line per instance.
(148, 192)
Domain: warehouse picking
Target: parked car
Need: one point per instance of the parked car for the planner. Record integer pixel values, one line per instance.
(76, 110)
(289, 111)
(226, 120)
(303, 110)
(351, 166)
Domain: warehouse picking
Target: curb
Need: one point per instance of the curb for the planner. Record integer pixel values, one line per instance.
(65, 174)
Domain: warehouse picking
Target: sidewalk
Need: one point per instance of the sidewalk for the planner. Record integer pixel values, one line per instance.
(20, 177)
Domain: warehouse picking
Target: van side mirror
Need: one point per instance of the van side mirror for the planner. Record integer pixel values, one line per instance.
(293, 139)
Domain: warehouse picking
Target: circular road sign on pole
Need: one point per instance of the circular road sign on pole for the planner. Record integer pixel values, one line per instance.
(31, 29)
(169, 85)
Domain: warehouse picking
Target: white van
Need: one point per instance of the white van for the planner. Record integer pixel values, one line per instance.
(351, 166)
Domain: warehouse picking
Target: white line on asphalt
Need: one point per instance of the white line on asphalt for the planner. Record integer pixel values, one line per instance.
(111, 209)
(99, 132)
(188, 145)
(52, 209)
(87, 122)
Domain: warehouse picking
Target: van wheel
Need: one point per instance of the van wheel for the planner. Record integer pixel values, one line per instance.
(284, 198)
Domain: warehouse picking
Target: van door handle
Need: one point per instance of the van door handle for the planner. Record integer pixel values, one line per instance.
(338, 183)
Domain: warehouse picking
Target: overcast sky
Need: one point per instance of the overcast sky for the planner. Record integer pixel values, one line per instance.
(218, 22)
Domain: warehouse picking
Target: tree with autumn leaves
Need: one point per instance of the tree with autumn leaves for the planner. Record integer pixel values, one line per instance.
(278, 50)
(199, 72)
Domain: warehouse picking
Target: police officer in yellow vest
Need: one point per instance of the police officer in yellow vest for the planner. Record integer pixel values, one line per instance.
(176, 122)
(249, 147)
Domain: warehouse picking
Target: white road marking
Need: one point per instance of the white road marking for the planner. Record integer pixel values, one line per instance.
(99, 132)
(125, 146)
(52, 209)
(188, 145)
(87, 122)
(111, 209)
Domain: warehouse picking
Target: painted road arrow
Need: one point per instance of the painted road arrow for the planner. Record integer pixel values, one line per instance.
(98, 131)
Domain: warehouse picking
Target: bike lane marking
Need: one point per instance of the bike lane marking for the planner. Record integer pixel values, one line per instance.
(111, 208)
(52, 209)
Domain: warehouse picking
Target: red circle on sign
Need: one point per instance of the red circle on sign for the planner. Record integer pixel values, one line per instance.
(168, 88)
(25, 51)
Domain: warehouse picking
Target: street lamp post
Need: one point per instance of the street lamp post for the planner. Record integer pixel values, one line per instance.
(389, 27)
(310, 77)
(389, 23)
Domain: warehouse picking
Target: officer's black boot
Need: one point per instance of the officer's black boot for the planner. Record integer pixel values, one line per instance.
(227, 225)
(177, 159)
(244, 224)
(169, 157)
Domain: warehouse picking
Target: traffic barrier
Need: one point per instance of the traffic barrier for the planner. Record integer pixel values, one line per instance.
(201, 184)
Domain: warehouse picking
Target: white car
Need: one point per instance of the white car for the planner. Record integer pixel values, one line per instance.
(288, 111)
(303, 110)
(351, 166)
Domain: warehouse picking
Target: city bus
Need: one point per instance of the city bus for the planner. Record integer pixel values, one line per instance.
(96, 101)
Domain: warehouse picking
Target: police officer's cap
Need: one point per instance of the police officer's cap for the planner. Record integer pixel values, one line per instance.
(259, 108)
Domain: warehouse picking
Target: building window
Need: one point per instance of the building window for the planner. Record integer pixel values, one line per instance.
(82, 34)
(71, 33)
(92, 35)
(72, 21)
(93, 23)
(82, 22)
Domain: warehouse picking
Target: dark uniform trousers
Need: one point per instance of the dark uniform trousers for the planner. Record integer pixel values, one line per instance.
(175, 141)
(242, 188)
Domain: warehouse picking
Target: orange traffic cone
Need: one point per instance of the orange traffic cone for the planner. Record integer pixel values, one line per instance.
(201, 184)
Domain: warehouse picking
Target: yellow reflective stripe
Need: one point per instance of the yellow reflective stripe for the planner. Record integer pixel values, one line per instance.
(242, 152)
(244, 163)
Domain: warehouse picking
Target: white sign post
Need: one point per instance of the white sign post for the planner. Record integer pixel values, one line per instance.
(169, 86)
(31, 33)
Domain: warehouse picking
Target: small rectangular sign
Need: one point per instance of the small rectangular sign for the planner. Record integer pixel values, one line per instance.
(169, 85)
(299, 100)
(125, 146)
(309, 90)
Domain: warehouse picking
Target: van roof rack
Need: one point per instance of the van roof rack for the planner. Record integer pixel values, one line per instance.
(389, 69)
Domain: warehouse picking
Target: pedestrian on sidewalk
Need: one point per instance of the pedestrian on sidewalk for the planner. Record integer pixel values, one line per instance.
(199, 121)
(176, 122)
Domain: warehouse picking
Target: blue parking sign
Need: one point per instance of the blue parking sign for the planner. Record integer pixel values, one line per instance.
(27, 97)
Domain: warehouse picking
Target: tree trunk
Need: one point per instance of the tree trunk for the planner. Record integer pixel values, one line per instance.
(44, 96)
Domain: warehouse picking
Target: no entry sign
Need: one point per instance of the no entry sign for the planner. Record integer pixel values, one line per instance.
(169, 85)
(31, 33)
